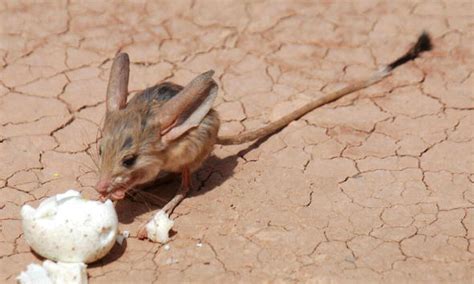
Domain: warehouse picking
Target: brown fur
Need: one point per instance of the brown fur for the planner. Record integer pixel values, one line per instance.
(193, 148)
(190, 150)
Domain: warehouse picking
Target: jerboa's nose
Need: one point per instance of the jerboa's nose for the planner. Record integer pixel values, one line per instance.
(102, 185)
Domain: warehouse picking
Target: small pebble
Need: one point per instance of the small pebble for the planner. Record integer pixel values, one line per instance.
(167, 247)
(199, 245)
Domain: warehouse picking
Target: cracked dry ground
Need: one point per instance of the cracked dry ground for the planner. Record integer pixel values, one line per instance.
(374, 187)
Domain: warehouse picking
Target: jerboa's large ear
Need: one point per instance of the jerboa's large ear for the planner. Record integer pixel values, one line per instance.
(188, 108)
(117, 90)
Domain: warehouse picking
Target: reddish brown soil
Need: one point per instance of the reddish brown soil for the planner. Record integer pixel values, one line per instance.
(377, 187)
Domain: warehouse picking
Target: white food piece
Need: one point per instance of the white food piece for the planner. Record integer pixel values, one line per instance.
(68, 228)
(121, 237)
(126, 234)
(34, 274)
(158, 228)
(62, 272)
(54, 273)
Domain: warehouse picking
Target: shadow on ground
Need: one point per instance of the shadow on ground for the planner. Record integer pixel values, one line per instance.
(155, 195)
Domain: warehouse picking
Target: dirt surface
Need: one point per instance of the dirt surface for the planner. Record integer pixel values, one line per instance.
(375, 187)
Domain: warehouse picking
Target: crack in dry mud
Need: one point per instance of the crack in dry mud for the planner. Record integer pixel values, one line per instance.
(374, 187)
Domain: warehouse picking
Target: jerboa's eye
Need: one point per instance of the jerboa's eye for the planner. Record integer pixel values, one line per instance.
(129, 160)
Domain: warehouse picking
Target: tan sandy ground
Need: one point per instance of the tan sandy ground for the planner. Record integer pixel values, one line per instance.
(376, 187)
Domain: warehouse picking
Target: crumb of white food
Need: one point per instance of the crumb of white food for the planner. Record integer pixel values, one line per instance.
(158, 228)
(121, 237)
(199, 245)
(54, 273)
(167, 247)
